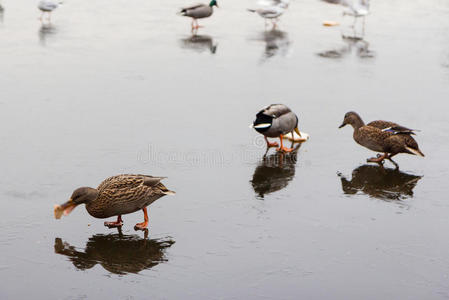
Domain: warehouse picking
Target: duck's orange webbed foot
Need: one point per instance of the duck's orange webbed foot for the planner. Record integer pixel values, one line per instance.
(117, 223)
(144, 224)
(379, 159)
(269, 145)
(282, 148)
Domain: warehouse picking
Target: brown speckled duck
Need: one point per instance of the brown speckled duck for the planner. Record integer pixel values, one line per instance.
(117, 196)
(382, 136)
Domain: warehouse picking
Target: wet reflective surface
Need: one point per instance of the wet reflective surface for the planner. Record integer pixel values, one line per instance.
(274, 172)
(379, 182)
(123, 87)
(116, 253)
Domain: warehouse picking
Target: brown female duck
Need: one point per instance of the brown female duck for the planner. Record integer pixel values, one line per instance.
(117, 196)
(382, 136)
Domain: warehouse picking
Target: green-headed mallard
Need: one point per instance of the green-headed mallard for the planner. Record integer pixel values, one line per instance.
(198, 11)
(382, 136)
(117, 196)
(276, 120)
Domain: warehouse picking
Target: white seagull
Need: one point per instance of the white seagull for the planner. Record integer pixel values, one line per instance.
(47, 6)
(271, 9)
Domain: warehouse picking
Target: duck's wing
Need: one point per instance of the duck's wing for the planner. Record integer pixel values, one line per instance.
(275, 110)
(133, 182)
(391, 127)
(197, 11)
(184, 9)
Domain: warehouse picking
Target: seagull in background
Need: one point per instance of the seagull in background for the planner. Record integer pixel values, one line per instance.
(356, 8)
(47, 6)
(271, 9)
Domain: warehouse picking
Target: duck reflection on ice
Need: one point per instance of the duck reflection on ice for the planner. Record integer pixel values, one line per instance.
(46, 30)
(199, 43)
(117, 253)
(380, 182)
(274, 172)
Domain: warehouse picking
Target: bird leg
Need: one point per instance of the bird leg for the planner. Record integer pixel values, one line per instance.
(379, 159)
(393, 162)
(118, 223)
(144, 224)
(271, 144)
(282, 148)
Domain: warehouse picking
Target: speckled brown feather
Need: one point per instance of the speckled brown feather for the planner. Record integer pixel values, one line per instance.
(127, 193)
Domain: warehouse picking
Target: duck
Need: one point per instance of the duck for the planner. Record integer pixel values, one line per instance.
(271, 10)
(275, 120)
(382, 136)
(116, 196)
(47, 6)
(198, 11)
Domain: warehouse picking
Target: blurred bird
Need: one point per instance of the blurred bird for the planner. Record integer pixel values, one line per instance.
(47, 6)
(356, 8)
(198, 11)
(271, 10)
(276, 120)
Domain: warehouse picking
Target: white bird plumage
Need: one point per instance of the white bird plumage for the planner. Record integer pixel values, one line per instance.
(47, 6)
(271, 9)
(356, 8)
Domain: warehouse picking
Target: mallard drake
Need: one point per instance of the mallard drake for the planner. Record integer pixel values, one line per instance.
(382, 136)
(47, 6)
(271, 10)
(276, 120)
(198, 11)
(117, 196)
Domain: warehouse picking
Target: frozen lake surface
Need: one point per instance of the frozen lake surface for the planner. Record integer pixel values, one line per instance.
(122, 87)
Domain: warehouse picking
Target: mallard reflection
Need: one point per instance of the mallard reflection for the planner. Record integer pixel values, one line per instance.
(380, 182)
(45, 31)
(199, 43)
(274, 172)
(117, 253)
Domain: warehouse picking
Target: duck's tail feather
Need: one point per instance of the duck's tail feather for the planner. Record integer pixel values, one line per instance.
(415, 151)
(167, 192)
(251, 10)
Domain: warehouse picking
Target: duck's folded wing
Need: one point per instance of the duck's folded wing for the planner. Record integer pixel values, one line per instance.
(275, 110)
(195, 6)
(391, 127)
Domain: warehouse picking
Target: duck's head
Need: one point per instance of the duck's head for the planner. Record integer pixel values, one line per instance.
(79, 196)
(213, 3)
(353, 119)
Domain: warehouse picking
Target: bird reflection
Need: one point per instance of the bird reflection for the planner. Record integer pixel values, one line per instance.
(276, 43)
(117, 253)
(274, 172)
(199, 43)
(380, 182)
(46, 30)
(2, 12)
(354, 43)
